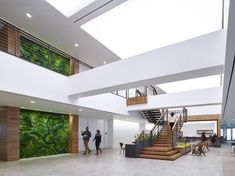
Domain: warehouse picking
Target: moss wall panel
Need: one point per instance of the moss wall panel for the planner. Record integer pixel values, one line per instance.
(43, 134)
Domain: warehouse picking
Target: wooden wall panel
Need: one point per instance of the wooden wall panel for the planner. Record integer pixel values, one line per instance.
(3, 38)
(203, 117)
(75, 66)
(9, 145)
(3, 135)
(137, 100)
(73, 133)
(13, 41)
(210, 117)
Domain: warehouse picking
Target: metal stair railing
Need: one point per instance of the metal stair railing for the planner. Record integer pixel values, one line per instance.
(176, 129)
(148, 137)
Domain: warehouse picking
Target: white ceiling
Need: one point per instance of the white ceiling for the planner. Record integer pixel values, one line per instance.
(192, 84)
(15, 100)
(51, 26)
(137, 26)
(24, 102)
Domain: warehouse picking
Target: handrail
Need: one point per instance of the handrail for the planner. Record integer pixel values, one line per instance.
(162, 115)
(176, 130)
(147, 136)
(154, 90)
(177, 120)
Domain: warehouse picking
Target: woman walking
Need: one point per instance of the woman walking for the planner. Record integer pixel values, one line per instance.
(97, 140)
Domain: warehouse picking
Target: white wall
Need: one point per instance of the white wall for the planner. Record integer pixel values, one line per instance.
(229, 110)
(200, 56)
(190, 98)
(105, 127)
(149, 126)
(113, 131)
(204, 110)
(103, 102)
(190, 128)
(83, 68)
(24, 78)
(124, 131)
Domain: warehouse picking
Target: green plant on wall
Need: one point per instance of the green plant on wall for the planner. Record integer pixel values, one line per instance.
(33, 52)
(59, 63)
(43, 134)
(40, 55)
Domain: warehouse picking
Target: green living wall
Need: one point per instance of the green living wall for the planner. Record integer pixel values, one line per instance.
(43, 133)
(40, 54)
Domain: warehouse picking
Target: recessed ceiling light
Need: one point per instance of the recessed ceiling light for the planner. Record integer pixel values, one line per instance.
(79, 109)
(28, 15)
(76, 45)
(33, 102)
(105, 62)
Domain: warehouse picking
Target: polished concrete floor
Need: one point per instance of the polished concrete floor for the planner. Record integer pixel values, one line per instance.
(218, 162)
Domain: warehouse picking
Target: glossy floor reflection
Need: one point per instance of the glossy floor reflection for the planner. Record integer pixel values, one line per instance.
(218, 162)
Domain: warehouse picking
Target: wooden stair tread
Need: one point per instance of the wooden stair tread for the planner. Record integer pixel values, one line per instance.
(164, 138)
(172, 157)
(169, 153)
(162, 149)
(163, 145)
(163, 142)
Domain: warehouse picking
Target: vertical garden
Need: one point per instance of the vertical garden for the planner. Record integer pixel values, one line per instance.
(43, 133)
(38, 53)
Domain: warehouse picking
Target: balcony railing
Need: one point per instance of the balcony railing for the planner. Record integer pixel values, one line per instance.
(136, 92)
(23, 45)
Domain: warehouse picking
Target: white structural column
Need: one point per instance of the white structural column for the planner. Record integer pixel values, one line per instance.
(201, 56)
(228, 111)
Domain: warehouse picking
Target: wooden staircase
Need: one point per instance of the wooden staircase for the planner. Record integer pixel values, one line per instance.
(162, 148)
(151, 115)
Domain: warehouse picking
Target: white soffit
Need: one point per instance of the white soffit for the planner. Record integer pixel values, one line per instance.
(192, 84)
(69, 7)
(138, 26)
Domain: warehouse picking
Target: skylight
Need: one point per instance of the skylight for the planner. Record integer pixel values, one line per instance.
(138, 26)
(69, 7)
(191, 84)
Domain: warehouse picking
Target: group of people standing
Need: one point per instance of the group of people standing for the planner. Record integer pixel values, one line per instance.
(86, 137)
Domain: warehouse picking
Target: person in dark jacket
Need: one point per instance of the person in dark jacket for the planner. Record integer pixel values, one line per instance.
(86, 137)
(203, 137)
(97, 140)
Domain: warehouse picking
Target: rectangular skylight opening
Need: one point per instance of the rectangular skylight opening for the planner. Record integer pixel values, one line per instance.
(192, 84)
(138, 26)
(69, 7)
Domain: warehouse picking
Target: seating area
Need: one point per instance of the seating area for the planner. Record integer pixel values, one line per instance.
(198, 149)
(122, 148)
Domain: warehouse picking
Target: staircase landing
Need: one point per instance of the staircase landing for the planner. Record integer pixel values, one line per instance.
(162, 149)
